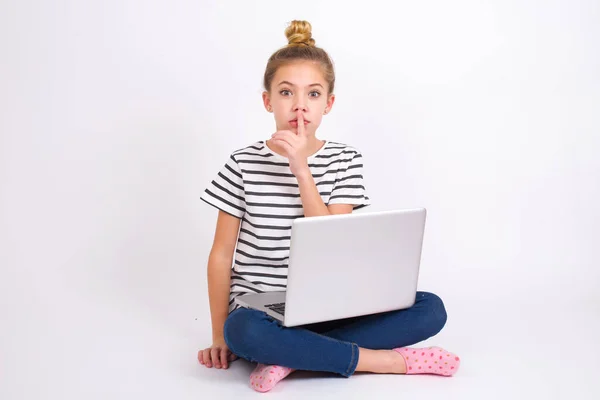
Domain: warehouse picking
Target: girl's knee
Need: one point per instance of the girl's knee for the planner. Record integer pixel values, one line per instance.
(436, 310)
(235, 324)
(243, 330)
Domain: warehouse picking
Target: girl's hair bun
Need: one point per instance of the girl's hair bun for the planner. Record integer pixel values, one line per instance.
(299, 33)
(301, 47)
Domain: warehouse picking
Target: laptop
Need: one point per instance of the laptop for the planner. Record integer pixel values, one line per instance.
(347, 265)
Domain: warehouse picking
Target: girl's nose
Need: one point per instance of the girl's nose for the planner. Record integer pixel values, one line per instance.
(300, 107)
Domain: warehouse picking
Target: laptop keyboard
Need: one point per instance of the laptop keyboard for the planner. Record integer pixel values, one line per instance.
(279, 308)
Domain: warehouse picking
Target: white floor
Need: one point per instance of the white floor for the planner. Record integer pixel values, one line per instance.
(83, 345)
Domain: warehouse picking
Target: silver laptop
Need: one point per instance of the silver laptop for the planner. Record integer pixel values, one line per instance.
(348, 265)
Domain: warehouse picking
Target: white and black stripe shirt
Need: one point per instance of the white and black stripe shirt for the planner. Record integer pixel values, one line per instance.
(257, 186)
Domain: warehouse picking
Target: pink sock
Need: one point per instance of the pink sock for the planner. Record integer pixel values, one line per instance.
(430, 360)
(265, 377)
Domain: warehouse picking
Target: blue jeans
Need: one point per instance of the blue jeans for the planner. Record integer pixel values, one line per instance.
(331, 346)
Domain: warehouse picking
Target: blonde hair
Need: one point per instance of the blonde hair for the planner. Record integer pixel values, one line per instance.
(301, 47)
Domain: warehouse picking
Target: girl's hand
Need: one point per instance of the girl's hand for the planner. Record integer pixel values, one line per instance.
(295, 147)
(218, 355)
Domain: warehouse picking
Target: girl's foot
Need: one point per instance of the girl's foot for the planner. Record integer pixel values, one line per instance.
(265, 377)
(406, 360)
(430, 360)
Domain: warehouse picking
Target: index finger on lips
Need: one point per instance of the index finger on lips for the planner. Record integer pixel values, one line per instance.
(301, 130)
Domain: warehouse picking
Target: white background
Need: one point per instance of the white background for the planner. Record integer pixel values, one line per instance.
(114, 116)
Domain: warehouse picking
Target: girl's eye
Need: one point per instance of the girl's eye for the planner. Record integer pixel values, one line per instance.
(285, 92)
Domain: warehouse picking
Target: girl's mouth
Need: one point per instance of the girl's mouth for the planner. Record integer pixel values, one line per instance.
(294, 122)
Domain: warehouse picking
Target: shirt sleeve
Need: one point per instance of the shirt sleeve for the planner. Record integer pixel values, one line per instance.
(349, 187)
(226, 191)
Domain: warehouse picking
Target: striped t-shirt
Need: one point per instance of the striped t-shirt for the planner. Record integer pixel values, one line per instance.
(257, 186)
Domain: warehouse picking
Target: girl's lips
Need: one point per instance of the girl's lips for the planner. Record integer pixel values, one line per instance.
(294, 122)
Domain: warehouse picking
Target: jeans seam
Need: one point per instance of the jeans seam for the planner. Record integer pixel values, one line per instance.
(353, 346)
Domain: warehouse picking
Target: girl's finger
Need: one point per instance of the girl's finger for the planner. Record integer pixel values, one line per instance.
(284, 145)
(224, 358)
(232, 357)
(301, 130)
(206, 358)
(288, 136)
(214, 356)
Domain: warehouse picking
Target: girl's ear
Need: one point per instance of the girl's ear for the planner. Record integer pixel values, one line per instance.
(330, 101)
(267, 101)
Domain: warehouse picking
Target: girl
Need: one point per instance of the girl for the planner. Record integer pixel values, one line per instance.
(259, 192)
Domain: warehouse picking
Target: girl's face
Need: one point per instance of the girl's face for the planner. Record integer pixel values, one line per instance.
(298, 86)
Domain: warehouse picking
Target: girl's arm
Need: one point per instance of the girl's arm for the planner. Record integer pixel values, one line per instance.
(312, 203)
(295, 147)
(219, 271)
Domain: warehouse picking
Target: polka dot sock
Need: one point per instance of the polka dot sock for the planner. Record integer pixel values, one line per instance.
(430, 360)
(265, 377)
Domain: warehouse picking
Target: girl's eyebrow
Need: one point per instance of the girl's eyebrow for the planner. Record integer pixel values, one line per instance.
(291, 84)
